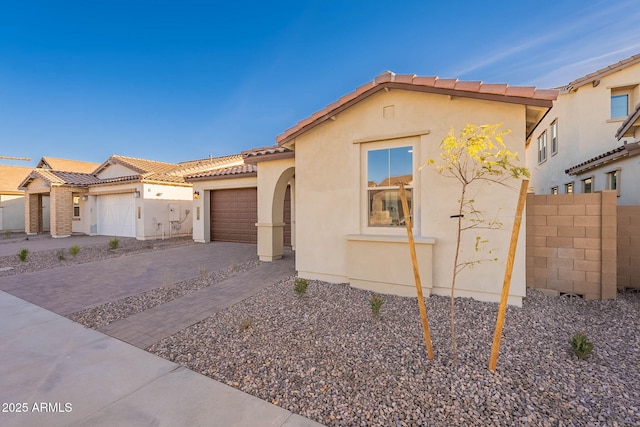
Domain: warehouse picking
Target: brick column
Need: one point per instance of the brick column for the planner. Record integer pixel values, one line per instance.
(32, 213)
(61, 211)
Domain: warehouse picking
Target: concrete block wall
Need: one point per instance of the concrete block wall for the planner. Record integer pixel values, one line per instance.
(61, 211)
(571, 243)
(628, 247)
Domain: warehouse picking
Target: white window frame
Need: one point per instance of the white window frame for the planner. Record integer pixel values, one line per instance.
(414, 143)
(542, 147)
(555, 190)
(75, 198)
(554, 137)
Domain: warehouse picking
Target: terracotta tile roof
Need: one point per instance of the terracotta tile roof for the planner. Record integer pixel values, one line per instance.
(193, 166)
(603, 72)
(626, 150)
(76, 179)
(11, 177)
(529, 96)
(239, 171)
(628, 126)
(267, 153)
(67, 165)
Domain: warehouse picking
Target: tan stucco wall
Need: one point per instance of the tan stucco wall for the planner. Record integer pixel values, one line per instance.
(585, 130)
(201, 207)
(331, 195)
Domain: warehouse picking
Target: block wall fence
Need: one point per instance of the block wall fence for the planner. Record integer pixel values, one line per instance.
(572, 244)
(629, 247)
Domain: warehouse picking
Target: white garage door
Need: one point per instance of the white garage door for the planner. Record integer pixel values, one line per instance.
(116, 215)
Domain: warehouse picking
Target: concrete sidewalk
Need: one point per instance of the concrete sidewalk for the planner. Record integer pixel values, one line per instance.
(62, 374)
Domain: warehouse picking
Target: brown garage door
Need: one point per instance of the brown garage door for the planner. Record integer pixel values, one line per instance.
(234, 214)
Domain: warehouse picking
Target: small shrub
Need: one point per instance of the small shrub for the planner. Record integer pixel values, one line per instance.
(74, 250)
(581, 345)
(301, 287)
(114, 243)
(23, 254)
(246, 324)
(7, 233)
(376, 302)
(60, 254)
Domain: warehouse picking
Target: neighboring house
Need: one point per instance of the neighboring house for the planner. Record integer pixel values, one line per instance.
(226, 202)
(347, 221)
(576, 148)
(123, 196)
(12, 198)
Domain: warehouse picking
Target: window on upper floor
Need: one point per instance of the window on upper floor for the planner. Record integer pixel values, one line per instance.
(554, 136)
(554, 190)
(587, 185)
(568, 188)
(386, 170)
(623, 98)
(542, 147)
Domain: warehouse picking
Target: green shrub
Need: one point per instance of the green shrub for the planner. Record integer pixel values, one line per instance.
(74, 250)
(114, 243)
(581, 345)
(60, 254)
(7, 233)
(23, 254)
(301, 287)
(376, 302)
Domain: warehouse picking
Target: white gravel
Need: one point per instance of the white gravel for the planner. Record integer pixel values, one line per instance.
(325, 357)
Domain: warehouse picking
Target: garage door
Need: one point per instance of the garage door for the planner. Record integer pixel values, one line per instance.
(234, 214)
(116, 215)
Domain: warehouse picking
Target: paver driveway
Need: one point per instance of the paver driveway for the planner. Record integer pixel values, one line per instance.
(69, 289)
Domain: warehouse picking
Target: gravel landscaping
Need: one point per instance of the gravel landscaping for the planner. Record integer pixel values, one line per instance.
(53, 258)
(324, 356)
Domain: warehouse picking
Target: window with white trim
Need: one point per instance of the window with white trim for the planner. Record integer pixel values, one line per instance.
(587, 185)
(542, 147)
(76, 206)
(386, 170)
(554, 190)
(554, 136)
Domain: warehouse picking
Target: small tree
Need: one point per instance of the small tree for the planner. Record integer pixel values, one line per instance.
(476, 156)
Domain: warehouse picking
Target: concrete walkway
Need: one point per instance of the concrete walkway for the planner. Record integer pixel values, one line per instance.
(150, 326)
(61, 374)
(65, 290)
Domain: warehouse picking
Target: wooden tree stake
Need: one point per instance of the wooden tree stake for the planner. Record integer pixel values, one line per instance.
(495, 349)
(416, 273)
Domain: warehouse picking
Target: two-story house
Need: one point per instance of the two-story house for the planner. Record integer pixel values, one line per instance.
(577, 147)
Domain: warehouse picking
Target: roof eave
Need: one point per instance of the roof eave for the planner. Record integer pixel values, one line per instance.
(538, 102)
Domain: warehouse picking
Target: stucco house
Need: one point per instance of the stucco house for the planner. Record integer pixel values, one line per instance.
(341, 169)
(123, 196)
(12, 198)
(581, 146)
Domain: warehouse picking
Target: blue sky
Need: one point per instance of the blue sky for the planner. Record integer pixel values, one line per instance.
(180, 80)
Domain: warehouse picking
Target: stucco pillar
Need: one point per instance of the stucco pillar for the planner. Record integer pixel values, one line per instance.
(273, 178)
